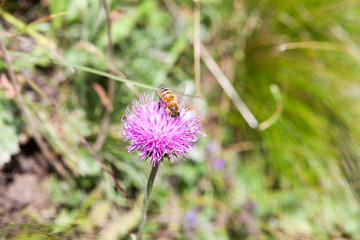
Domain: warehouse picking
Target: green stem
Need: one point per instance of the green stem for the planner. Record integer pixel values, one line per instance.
(150, 183)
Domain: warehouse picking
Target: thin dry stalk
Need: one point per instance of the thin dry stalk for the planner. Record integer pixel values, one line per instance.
(228, 87)
(111, 87)
(46, 18)
(197, 47)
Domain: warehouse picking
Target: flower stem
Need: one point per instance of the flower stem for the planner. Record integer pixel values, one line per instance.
(150, 183)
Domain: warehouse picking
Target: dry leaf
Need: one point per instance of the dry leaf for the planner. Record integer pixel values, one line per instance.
(117, 13)
(105, 100)
(10, 91)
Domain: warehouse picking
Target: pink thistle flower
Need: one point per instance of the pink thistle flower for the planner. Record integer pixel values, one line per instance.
(156, 135)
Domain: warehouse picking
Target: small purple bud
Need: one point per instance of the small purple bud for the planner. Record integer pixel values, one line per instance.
(192, 218)
(218, 164)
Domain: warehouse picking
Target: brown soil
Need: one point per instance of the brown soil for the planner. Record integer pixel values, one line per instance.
(22, 187)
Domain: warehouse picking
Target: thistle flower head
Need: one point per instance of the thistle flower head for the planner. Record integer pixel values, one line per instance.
(150, 130)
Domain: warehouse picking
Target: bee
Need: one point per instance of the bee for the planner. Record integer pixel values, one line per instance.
(169, 99)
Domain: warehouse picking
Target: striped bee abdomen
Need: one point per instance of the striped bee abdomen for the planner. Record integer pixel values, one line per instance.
(165, 94)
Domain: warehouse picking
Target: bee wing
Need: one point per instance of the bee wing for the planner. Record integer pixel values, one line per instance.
(180, 91)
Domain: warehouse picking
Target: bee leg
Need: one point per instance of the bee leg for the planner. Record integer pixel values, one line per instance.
(161, 105)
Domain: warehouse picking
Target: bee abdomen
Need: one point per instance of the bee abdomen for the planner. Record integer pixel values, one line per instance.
(165, 94)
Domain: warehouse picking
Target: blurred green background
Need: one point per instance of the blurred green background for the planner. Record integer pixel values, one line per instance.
(294, 63)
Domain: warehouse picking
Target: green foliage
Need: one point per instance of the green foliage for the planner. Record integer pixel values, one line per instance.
(300, 173)
(9, 143)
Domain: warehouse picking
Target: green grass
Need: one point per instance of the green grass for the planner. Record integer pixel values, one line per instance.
(301, 172)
